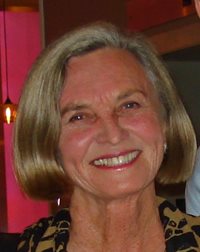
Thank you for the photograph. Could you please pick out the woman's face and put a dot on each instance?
(112, 134)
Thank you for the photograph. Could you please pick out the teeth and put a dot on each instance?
(116, 161)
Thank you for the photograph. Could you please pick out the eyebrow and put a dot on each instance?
(76, 107)
(129, 93)
(73, 107)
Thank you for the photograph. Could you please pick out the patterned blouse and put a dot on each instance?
(182, 232)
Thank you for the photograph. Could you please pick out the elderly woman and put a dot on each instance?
(99, 118)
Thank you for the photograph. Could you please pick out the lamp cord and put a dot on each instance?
(5, 46)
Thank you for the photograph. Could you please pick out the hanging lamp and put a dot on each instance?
(9, 109)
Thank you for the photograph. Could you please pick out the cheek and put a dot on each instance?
(74, 142)
(150, 135)
(147, 126)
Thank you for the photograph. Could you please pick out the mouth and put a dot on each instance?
(116, 162)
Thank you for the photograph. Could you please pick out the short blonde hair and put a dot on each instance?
(37, 128)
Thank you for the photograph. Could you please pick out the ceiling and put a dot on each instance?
(20, 4)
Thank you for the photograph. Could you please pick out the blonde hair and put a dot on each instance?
(37, 128)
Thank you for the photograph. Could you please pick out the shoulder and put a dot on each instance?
(196, 172)
(46, 233)
(181, 230)
(192, 192)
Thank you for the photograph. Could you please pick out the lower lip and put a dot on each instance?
(118, 167)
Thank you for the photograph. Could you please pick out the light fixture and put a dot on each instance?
(8, 108)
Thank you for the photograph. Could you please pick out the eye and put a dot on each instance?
(82, 117)
(77, 117)
(130, 105)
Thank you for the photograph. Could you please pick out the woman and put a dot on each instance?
(100, 117)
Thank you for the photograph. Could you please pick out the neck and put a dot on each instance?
(115, 225)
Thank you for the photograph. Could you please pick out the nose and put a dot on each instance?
(111, 131)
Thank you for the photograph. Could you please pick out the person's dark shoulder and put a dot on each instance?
(45, 231)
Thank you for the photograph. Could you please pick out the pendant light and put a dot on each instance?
(9, 109)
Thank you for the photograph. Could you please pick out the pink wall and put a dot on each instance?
(23, 43)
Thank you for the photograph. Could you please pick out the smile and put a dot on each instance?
(118, 161)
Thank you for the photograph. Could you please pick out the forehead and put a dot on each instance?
(106, 70)
(101, 59)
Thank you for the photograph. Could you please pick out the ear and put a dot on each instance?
(197, 5)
